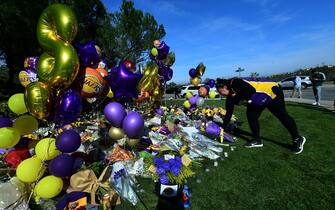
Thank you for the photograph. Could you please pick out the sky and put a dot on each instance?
(264, 36)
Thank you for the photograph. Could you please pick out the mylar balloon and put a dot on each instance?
(27, 76)
(94, 83)
(203, 91)
(195, 81)
(68, 107)
(38, 100)
(56, 28)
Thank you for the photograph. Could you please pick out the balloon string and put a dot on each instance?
(39, 171)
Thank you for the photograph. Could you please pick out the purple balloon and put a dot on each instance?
(211, 83)
(32, 62)
(68, 141)
(193, 73)
(68, 107)
(164, 71)
(88, 55)
(159, 111)
(115, 113)
(5, 122)
(62, 165)
(133, 124)
(123, 82)
(193, 99)
(163, 51)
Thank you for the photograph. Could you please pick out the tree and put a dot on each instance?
(239, 70)
(131, 34)
(254, 74)
(18, 21)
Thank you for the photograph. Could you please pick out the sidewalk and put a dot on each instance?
(325, 104)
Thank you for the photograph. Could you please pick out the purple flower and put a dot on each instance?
(160, 171)
(165, 166)
(164, 179)
(158, 161)
(175, 170)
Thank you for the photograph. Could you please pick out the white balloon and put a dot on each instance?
(200, 101)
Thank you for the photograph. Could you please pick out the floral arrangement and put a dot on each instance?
(170, 169)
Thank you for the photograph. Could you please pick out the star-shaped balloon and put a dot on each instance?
(123, 82)
(88, 55)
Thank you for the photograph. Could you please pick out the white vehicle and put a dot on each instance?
(194, 90)
(288, 83)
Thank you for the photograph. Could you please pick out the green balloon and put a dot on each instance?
(25, 124)
(9, 137)
(154, 52)
(16, 104)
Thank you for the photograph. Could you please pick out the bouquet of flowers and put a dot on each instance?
(170, 169)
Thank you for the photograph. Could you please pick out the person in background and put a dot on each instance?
(176, 93)
(258, 95)
(297, 86)
(317, 78)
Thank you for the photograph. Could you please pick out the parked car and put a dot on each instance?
(288, 83)
(194, 90)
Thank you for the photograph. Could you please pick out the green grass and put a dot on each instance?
(270, 177)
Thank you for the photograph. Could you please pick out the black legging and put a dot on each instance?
(277, 108)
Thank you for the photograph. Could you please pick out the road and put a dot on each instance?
(327, 93)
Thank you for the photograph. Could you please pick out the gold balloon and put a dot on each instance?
(200, 69)
(150, 82)
(116, 133)
(132, 142)
(38, 100)
(56, 29)
(195, 81)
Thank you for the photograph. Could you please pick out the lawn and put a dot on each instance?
(270, 177)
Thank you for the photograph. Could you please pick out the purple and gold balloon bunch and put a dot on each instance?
(124, 124)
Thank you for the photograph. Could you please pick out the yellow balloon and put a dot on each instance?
(116, 133)
(30, 169)
(46, 149)
(9, 137)
(195, 81)
(212, 94)
(16, 104)
(56, 29)
(110, 93)
(25, 124)
(49, 187)
(188, 95)
(187, 104)
(38, 99)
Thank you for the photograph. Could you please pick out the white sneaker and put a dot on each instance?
(314, 103)
(318, 104)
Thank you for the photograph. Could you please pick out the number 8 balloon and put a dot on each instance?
(56, 29)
